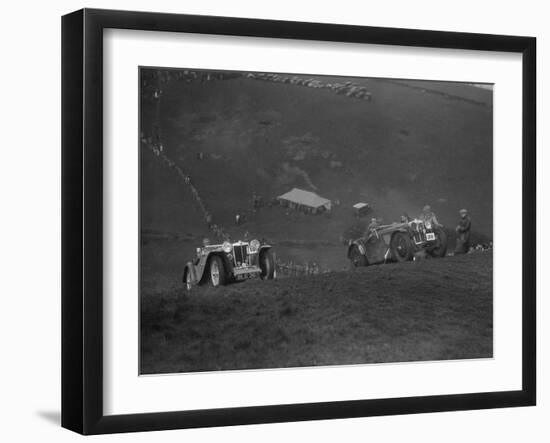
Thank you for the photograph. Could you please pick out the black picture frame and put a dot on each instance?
(82, 218)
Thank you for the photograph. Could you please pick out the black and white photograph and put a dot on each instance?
(300, 220)
(247, 222)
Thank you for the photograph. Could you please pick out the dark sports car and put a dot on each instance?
(397, 242)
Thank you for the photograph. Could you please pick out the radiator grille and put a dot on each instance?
(239, 252)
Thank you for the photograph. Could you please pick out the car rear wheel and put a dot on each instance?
(356, 258)
(217, 271)
(402, 247)
(267, 265)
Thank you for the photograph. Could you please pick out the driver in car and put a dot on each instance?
(371, 228)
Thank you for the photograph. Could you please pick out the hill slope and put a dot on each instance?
(407, 147)
(431, 310)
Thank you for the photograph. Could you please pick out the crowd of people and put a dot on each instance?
(481, 247)
(291, 269)
(153, 80)
(348, 88)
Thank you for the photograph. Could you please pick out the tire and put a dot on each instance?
(401, 246)
(267, 265)
(440, 250)
(187, 280)
(356, 258)
(216, 269)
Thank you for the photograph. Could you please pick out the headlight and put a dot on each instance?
(227, 247)
(428, 225)
(254, 246)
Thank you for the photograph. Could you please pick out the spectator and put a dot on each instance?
(463, 233)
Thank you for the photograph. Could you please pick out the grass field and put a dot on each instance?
(429, 310)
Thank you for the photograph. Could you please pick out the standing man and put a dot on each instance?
(463, 233)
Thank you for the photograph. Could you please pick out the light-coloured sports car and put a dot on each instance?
(224, 263)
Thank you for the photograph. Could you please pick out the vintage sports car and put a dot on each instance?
(218, 265)
(397, 242)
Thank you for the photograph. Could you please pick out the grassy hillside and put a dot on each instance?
(430, 310)
(408, 147)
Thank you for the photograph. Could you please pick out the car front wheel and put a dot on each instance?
(188, 281)
(267, 265)
(217, 272)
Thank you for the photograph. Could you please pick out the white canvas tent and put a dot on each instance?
(300, 199)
